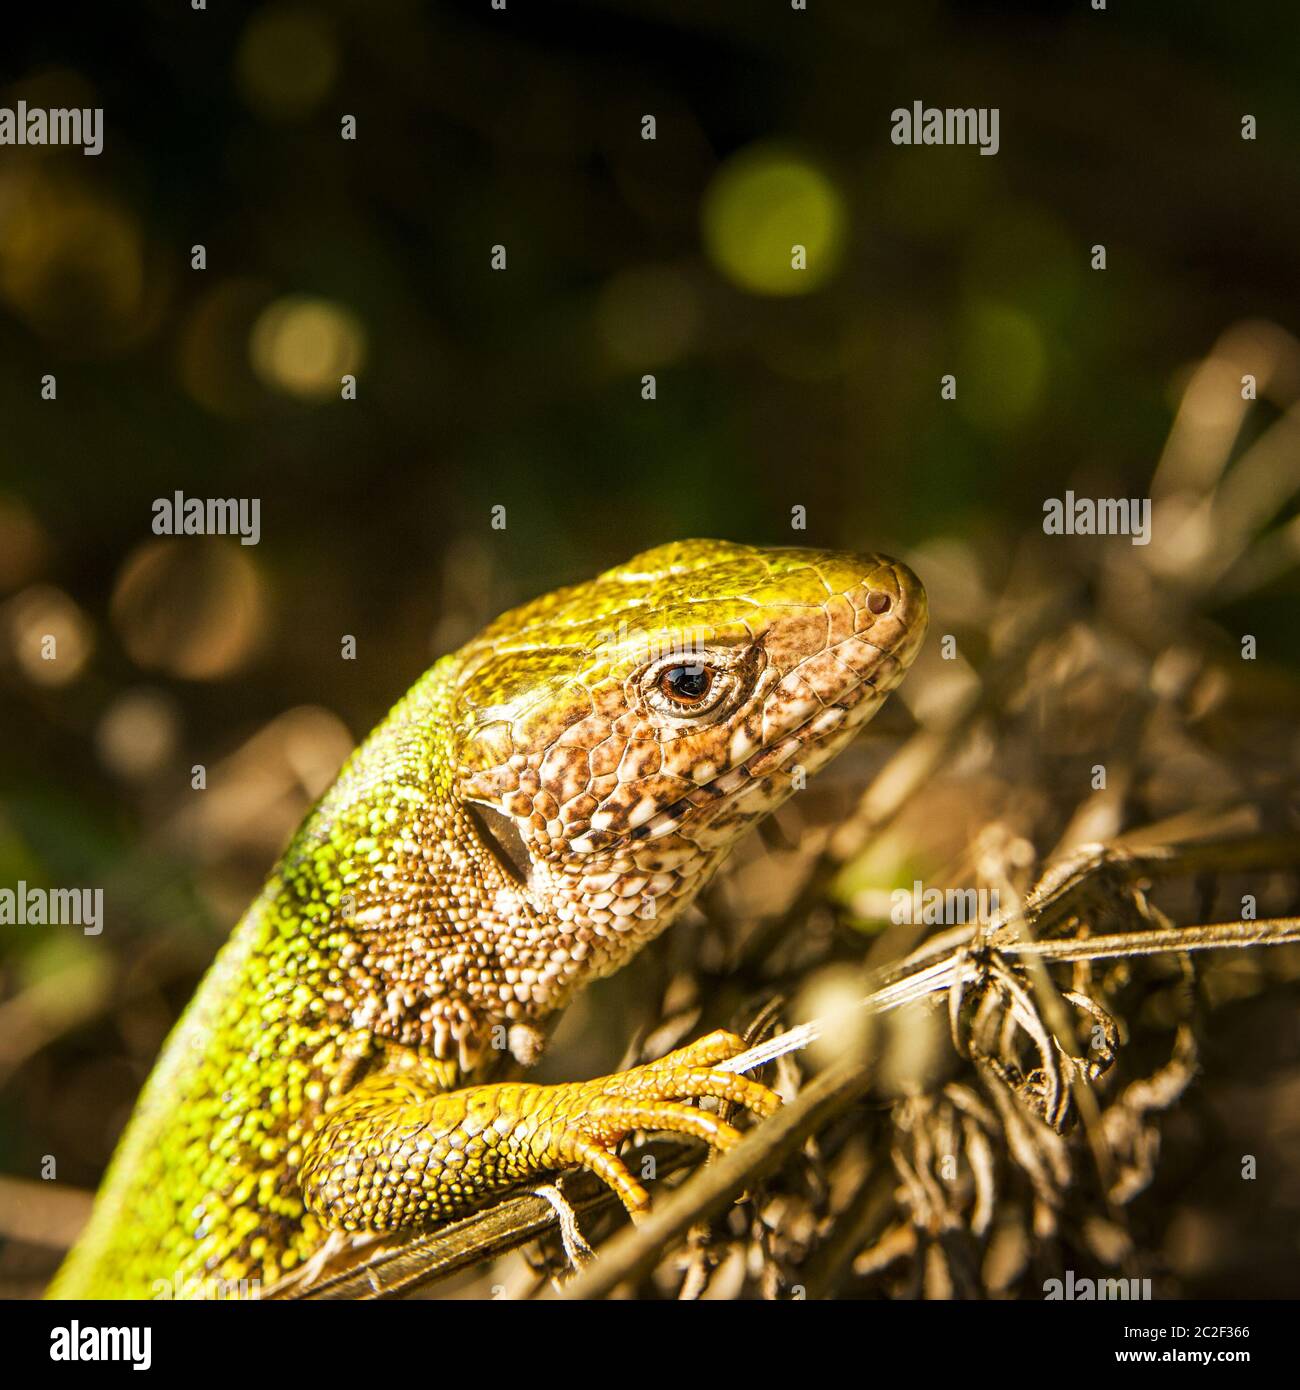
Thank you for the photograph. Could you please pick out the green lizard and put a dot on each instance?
(540, 805)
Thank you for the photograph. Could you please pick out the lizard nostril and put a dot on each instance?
(879, 601)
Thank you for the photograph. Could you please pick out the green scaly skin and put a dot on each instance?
(541, 804)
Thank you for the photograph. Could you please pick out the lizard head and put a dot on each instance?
(616, 738)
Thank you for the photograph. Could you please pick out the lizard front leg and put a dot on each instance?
(395, 1153)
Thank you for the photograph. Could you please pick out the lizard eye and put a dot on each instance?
(688, 685)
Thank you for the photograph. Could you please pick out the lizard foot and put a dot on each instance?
(396, 1153)
(593, 1117)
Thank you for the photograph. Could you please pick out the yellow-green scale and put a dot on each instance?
(203, 1183)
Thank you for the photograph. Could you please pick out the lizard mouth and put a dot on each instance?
(841, 717)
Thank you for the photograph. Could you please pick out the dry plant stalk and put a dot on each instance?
(1030, 1080)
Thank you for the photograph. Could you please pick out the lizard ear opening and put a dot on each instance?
(500, 836)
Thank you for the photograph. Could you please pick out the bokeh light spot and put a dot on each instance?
(49, 635)
(287, 61)
(1003, 368)
(193, 608)
(71, 261)
(763, 202)
(212, 359)
(303, 346)
(138, 733)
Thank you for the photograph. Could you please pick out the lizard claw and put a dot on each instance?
(591, 1118)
